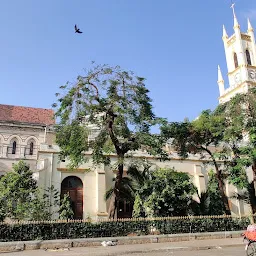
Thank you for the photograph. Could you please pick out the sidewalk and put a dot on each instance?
(196, 241)
(138, 248)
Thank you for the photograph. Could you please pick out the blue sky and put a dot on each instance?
(175, 44)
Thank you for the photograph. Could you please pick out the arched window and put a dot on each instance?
(71, 182)
(14, 146)
(31, 148)
(248, 57)
(235, 60)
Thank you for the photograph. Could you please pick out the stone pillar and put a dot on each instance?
(101, 208)
(22, 151)
(5, 153)
(199, 179)
(234, 204)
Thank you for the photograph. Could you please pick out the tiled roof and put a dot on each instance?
(30, 115)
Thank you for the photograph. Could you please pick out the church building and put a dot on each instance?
(28, 133)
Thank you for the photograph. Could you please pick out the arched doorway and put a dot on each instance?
(74, 186)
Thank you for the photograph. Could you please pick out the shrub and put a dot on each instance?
(80, 229)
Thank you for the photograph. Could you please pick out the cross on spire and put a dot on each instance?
(236, 24)
(233, 8)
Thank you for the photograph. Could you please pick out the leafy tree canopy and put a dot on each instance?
(203, 136)
(20, 198)
(116, 104)
(166, 192)
(196, 136)
(65, 211)
(239, 151)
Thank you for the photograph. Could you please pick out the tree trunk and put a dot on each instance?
(252, 199)
(251, 189)
(116, 193)
(220, 184)
(222, 192)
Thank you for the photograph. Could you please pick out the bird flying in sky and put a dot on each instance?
(77, 30)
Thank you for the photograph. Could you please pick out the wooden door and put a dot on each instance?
(74, 187)
(124, 209)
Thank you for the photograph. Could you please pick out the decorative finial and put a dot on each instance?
(233, 8)
(236, 25)
(224, 35)
(220, 82)
(250, 28)
(220, 77)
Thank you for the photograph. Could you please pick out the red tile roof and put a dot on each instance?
(30, 115)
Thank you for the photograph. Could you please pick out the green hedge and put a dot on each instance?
(56, 230)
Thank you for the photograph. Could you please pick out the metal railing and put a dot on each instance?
(26, 151)
(10, 150)
(61, 229)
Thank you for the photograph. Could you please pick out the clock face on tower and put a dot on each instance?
(252, 74)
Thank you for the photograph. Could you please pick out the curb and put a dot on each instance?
(88, 242)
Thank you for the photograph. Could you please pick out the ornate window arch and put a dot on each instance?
(30, 148)
(248, 57)
(13, 146)
(235, 59)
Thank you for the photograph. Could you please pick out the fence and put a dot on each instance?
(47, 230)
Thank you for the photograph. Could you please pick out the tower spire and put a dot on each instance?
(236, 24)
(220, 77)
(253, 48)
(225, 35)
(220, 82)
(250, 28)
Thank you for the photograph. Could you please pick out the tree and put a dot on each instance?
(240, 141)
(210, 201)
(20, 198)
(2, 211)
(16, 190)
(166, 193)
(203, 136)
(65, 211)
(216, 205)
(137, 174)
(115, 102)
(200, 206)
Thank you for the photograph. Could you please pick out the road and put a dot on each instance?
(236, 251)
(164, 251)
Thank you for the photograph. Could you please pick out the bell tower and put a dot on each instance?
(240, 51)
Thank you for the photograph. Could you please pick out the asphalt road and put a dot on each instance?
(164, 251)
(236, 251)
